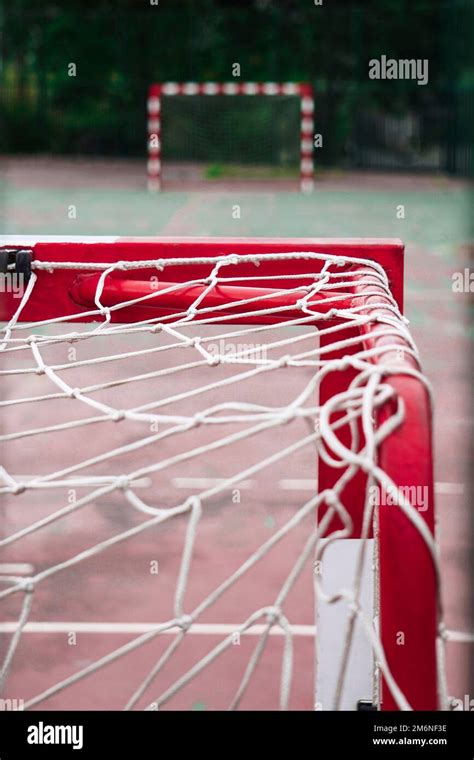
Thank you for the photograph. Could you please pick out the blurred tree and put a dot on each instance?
(120, 48)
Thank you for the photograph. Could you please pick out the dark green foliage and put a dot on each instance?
(121, 46)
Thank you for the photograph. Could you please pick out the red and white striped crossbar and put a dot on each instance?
(304, 91)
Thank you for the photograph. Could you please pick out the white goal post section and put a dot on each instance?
(303, 91)
(152, 395)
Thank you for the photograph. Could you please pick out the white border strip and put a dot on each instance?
(200, 629)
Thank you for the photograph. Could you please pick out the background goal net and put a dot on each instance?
(235, 133)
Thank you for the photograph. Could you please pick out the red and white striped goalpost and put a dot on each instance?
(303, 91)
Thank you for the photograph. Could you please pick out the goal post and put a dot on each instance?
(363, 404)
(249, 91)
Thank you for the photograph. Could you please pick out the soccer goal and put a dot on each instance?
(239, 134)
(218, 476)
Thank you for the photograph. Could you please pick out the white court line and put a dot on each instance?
(294, 484)
(33, 239)
(451, 489)
(201, 629)
(430, 295)
(297, 484)
(197, 483)
(285, 484)
(82, 481)
(203, 483)
(16, 568)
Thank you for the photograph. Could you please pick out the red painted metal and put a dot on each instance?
(409, 605)
(51, 297)
(164, 299)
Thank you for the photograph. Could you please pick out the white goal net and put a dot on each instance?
(159, 477)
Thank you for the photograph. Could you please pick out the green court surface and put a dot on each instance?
(110, 198)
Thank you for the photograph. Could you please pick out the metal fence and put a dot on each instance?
(436, 136)
(433, 137)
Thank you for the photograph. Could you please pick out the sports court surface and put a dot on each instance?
(60, 197)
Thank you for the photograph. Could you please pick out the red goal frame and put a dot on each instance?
(408, 579)
(302, 90)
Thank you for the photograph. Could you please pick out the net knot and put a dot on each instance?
(27, 585)
(41, 370)
(104, 310)
(287, 416)
(18, 488)
(272, 614)
(213, 361)
(366, 464)
(123, 482)
(331, 499)
(194, 503)
(185, 622)
(443, 631)
(119, 415)
(342, 364)
(74, 392)
(353, 607)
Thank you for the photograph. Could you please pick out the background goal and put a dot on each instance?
(232, 132)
